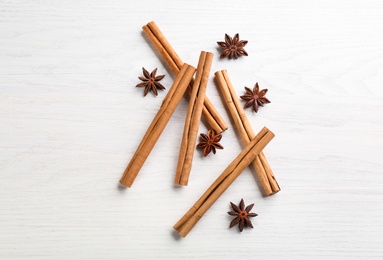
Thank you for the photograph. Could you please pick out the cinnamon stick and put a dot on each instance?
(158, 124)
(262, 167)
(171, 58)
(193, 118)
(227, 177)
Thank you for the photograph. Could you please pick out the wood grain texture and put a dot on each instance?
(71, 118)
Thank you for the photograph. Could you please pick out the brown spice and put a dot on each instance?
(166, 51)
(210, 142)
(150, 82)
(232, 47)
(262, 168)
(255, 98)
(159, 122)
(193, 119)
(242, 215)
(220, 185)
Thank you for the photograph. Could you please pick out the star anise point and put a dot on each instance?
(242, 215)
(255, 98)
(210, 142)
(150, 81)
(232, 47)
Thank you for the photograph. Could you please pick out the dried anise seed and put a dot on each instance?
(242, 215)
(232, 47)
(210, 142)
(150, 82)
(255, 98)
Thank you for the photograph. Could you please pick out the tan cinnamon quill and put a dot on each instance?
(158, 124)
(262, 167)
(251, 150)
(171, 58)
(193, 119)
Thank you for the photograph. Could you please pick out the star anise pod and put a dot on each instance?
(210, 142)
(255, 98)
(242, 215)
(150, 82)
(232, 47)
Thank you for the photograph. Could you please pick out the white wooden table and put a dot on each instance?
(71, 119)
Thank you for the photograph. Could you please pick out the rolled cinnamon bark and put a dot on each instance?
(193, 119)
(251, 150)
(262, 167)
(158, 124)
(171, 58)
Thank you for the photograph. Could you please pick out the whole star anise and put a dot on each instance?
(210, 142)
(232, 47)
(150, 82)
(255, 98)
(242, 215)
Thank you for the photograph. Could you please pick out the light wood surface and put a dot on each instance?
(71, 119)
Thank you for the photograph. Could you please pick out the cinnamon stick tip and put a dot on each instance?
(267, 130)
(181, 183)
(224, 129)
(178, 233)
(208, 53)
(124, 184)
(121, 186)
(271, 193)
(218, 72)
